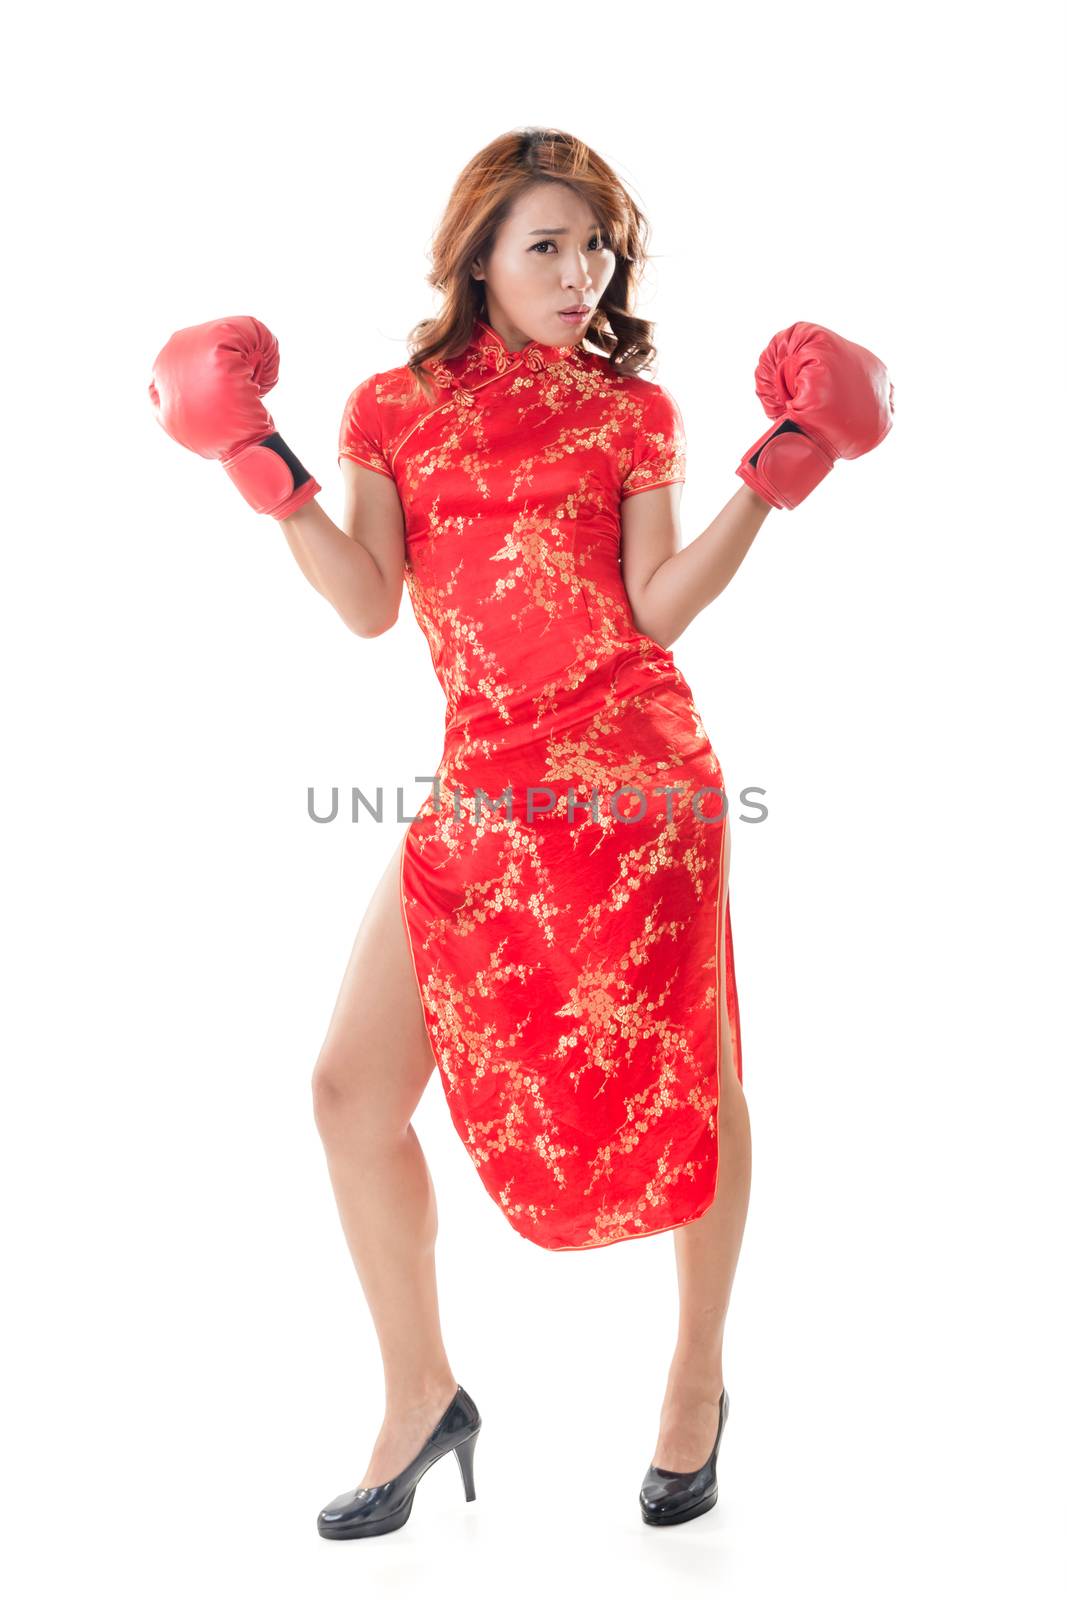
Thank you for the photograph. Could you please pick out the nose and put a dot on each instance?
(579, 277)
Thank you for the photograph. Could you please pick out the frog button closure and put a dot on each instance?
(448, 380)
(507, 359)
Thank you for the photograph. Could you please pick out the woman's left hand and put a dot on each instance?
(828, 398)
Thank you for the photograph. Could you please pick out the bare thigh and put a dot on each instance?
(730, 1089)
(376, 1058)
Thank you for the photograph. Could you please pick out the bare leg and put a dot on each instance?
(372, 1068)
(706, 1253)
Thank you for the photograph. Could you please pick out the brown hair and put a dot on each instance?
(481, 199)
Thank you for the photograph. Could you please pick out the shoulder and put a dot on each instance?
(380, 408)
(644, 396)
(388, 388)
(655, 445)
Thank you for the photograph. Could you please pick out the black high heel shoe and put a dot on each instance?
(668, 1497)
(381, 1507)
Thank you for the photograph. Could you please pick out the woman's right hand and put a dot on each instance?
(206, 387)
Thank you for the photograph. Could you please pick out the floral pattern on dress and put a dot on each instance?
(566, 947)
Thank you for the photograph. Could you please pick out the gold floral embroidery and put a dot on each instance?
(566, 949)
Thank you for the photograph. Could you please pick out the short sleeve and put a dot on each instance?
(659, 448)
(361, 429)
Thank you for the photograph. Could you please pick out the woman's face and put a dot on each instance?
(549, 254)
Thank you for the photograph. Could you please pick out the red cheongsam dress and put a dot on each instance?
(562, 883)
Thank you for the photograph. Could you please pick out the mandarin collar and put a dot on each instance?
(488, 348)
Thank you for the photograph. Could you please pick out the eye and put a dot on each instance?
(598, 242)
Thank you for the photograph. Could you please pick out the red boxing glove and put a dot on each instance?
(206, 387)
(836, 400)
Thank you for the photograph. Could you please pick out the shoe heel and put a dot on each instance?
(465, 1457)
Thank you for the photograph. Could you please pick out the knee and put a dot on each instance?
(344, 1103)
(335, 1093)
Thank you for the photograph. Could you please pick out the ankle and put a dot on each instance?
(416, 1394)
(695, 1379)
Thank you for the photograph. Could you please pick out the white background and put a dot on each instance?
(191, 1371)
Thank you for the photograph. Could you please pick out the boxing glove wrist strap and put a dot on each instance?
(785, 464)
(271, 477)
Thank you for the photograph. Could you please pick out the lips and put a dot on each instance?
(568, 310)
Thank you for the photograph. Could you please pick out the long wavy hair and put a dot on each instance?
(481, 199)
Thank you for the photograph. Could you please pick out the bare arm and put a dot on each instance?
(667, 585)
(359, 568)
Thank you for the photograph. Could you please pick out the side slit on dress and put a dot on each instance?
(573, 953)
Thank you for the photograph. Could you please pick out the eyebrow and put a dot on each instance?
(596, 226)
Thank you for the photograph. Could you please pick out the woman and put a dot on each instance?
(553, 930)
